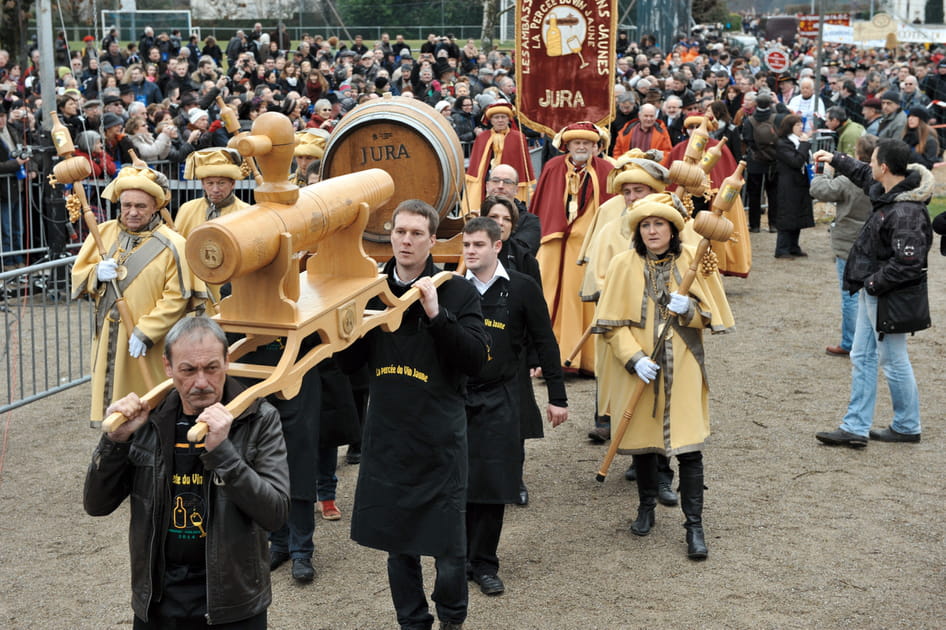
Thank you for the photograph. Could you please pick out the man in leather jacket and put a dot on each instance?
(889, 256)
(199, 512)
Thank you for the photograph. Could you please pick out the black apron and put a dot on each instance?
(411, 493)
(339, 422)
(299, 416)
(492, 407)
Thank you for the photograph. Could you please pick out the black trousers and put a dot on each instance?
(755, 183)
(664, 471)
(786, 242)
(484, 526)
(407, 591)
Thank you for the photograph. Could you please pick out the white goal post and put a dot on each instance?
(131, 24)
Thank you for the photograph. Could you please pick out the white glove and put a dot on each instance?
(679, 304)
(106, 270)
(646, 369)
(136, 347)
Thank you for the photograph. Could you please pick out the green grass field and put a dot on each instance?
(937, 205)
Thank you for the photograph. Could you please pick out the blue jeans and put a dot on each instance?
(328, 460)
(295, 537)
(11, 230)
(848, 308)
(892, 355)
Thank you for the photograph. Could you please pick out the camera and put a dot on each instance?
(21, 152)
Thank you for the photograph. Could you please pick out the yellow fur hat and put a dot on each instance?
(579, 130)
(639, 167)
(654, 206)
(500, 107)
(311, 142)
(138, 178)
(220, 162)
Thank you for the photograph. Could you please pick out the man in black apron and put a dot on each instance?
(411, 494)
(514, 311)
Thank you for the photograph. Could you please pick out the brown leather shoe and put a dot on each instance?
(837, 351)
(600, 435)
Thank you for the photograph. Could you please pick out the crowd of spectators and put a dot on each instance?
(158, 94)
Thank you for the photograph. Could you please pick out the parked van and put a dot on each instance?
(784, 26)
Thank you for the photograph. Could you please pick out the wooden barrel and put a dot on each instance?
(411, 142)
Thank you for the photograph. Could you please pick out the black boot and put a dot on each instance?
(665, 493)
(691, 500)
(646, 466)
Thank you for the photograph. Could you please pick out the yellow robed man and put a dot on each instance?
(146, 259)
(310, 147)
(218, 170)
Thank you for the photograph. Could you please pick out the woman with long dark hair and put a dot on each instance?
(920, 137)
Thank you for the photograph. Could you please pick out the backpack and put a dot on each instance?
(764, 137)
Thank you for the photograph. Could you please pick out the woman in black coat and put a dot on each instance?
(464, 122)
(726, 129)
(212, 50)
(794, 203)
(921, 138)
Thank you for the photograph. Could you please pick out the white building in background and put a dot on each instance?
(907, 11)
(250, 9)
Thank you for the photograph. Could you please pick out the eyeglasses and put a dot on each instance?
(497, 180)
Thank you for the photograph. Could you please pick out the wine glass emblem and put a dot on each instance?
(564, 33)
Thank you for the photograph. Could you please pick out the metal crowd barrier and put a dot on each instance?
(46, 335)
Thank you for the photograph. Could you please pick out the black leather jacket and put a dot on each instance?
(891, 249)
(247, 496)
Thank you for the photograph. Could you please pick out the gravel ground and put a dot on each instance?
(800, 535)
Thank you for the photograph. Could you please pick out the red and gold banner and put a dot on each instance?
(808, 24)
(565, 54)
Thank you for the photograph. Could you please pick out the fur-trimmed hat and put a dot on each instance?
(499, 107)
(311, 142)
(639, 167)
(139, 178)
(217, 162)
(653, 206)
(696, 121)
(580, 130)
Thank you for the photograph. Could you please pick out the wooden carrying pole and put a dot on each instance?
(72, 170)
(712, 226)
(253, 250)
(389, 319)
(585, 336)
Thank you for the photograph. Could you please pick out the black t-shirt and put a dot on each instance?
(187, 529)
(185, 575)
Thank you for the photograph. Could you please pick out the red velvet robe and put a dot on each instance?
(515, 154)
(558, 254)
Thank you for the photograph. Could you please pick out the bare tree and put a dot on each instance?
(490, 20)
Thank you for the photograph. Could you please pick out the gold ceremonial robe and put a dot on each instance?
(672, 416)
(159, 290)
(194, 213)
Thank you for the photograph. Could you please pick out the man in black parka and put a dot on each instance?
(412, 482)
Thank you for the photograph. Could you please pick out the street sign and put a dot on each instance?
(776, 60)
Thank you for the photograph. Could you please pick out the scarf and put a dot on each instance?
(213, 210)
(498, 138)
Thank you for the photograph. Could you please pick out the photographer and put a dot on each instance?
(12, 166)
